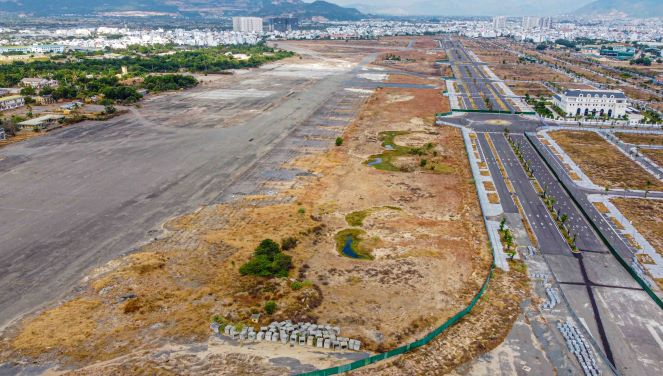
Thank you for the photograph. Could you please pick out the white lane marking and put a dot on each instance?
(654, 334)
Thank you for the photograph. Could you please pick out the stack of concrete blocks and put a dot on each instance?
(553, 298)
(245, 334)
(578, 345)
(321, 336)
(542, 276)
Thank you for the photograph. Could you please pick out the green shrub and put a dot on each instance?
(296, 285)
(339, 141)
(267, 261)
(270, 307)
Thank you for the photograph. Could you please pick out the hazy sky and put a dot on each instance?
(466, 7)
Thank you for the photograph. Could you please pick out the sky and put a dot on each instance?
(466, 7)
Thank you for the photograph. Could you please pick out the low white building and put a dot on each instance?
(610, 103)
(35, 49)
(11, 102)
(38, 83)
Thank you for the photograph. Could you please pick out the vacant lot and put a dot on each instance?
(641, 138)
(655, 155)
(646, 216)
(409, 79)
(528, 72)
(533, 89)
(415, 61)
(605, 165)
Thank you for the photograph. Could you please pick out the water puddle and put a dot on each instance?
(375, 161)
(347, 247)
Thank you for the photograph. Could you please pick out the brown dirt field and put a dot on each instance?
(431, 256)
(646, 216)
(479, 332)
(528, 72)
(416, 61)
(641, 139)
(603, 163)
(534, 89)
(575, 85)
(407, 79)
(654, 154)
(23, 135)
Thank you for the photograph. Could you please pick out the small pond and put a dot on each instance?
(347, 247)
(375, 162)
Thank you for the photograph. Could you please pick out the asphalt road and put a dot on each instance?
(81, 196)
(505, 196)
(474, 86)
(625, 322)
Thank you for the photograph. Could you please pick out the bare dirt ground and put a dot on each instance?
(534, 89)
(605, 165)
(641, 139)
(430, 256)
(416, 61)
(647, 217)
(408, 79)
(655, 155)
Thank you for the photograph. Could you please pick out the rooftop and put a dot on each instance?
(10, 98)
(39, 120)
(600, 93)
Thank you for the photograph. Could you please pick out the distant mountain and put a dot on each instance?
(226, 7)
(633, 8)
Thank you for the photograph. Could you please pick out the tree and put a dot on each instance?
(28, 90)
(339, 141)
(502, 224)
(270, 307)
(563, 218)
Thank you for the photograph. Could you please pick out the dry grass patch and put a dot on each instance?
(646, 216)
(603, 163)
(493, 198)
(641, 138)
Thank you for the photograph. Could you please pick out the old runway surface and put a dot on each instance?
(84, 195)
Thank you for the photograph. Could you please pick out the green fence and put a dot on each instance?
(410, 346)
(614, 252)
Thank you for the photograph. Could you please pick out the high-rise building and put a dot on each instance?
(530, 22)
(499, 22)
(247, 24)
(283, 24)
(545, 23)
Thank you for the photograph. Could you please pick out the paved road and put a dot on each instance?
(473, 84)
(81, 196)
(505, 196)
(621, 317)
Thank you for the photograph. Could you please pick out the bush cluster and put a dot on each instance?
(267, 261)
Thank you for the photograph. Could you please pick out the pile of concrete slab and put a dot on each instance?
(287, 332)
(553, 298)
(542, 276)
(322, 336)
(578, 345)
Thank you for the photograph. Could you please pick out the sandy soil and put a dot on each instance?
(605, 165)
